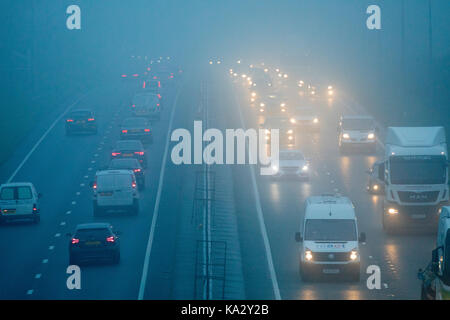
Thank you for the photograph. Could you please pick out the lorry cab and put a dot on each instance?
(329, 238)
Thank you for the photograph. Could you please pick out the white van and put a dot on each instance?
(19, 200)
(115, 190)
(330, 242)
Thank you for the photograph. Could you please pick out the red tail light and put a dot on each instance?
(159, 84)
(75, 240)
(124, 76)
(91, 119)
(155, 77)
(135, 75)
(143, 85)
(115, 154)
(137, 170)
(133, 184)
(133, 106)
(94, 185)
(124, 131)
(159, 96)
(148, 130)
(148, 69)
(110, 239)
(34, 208)
(157, 106)
(141, 153)
(69, 120)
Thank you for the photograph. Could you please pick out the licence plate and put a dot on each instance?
(134, 130)
(127, 154)
(92, 243)
(9, 211)
(107, 194)
(419, 216)
(330, 271)
(81, 121)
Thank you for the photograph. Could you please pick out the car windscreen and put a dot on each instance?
(114, 180)
(418, 169)
(330, 230)
(284, 155)
(357, 124)
(134, 122)
(90, 234)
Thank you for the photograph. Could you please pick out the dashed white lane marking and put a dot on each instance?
(332, 181)
(99, 148)
(74, 202)
(38, 276)
(51, 247)
(82, 184)
(385, 285)
(30, 292)
(89, 169)
(156, 208)
(93, 161)
(62, 223)
(57, 235)
(86, 177)
(78, 193)
(69, 212)
(45, 261)
(370, 257)
(96, 155)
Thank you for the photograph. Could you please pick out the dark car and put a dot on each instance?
(376, 178)
(92, 242)
(130, 164)
(130, 149)
(286, 129)
(81, 121)
(136, 128)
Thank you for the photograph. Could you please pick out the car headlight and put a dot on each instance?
(346, 136)
(330, 92)
(253, 94)
(262, 104)
(283, 105)
(290, 131)
(261, 110)
(275, 168)
(267, 131)
(353, 255)
(290, 137)
(316, 120)
(371, 136)
(375, 187)
(293, 120)
(305, 168)
(313, 92)
(308, 255)
(392, 211)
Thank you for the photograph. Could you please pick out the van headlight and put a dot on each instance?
(316, 120)
(353, 255)
(293, 121)
(290, 131)
(346, 136)
(305, 168)
(392, 211)
(275, 169)
(308, 255)
(371, 136)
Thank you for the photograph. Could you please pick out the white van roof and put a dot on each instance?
(112, 172)
(17, 184)
(415, 136)
(329, 207)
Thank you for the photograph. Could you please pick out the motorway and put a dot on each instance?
(35, 257)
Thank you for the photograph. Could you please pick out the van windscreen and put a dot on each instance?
(330, 230)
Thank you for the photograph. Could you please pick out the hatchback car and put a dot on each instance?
(136, 128)
(92, 242)
(130, 149)
(130, 164)
(81, 121)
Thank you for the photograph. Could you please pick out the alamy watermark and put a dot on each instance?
(241, 147)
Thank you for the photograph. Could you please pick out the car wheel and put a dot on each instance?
(116, 257)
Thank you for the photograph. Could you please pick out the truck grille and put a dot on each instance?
(417, 197)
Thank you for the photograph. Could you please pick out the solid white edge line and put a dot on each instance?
(156, 208)
(262, 225)
(43, 137)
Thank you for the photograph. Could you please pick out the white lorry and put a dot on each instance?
(415, 177)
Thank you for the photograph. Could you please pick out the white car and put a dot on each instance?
(307, 118)
(357, 131)
(115, 190)
(18, 201)
(292, 163)
(329, 238)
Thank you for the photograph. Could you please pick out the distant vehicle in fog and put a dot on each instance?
(92, 242)
(130, 149)
(376, 177)
(19, 201)
(357, 131)
(292, 163)
(286, 129)
(146, 105)
(136, 128)
(306, 118)
(79, 121)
